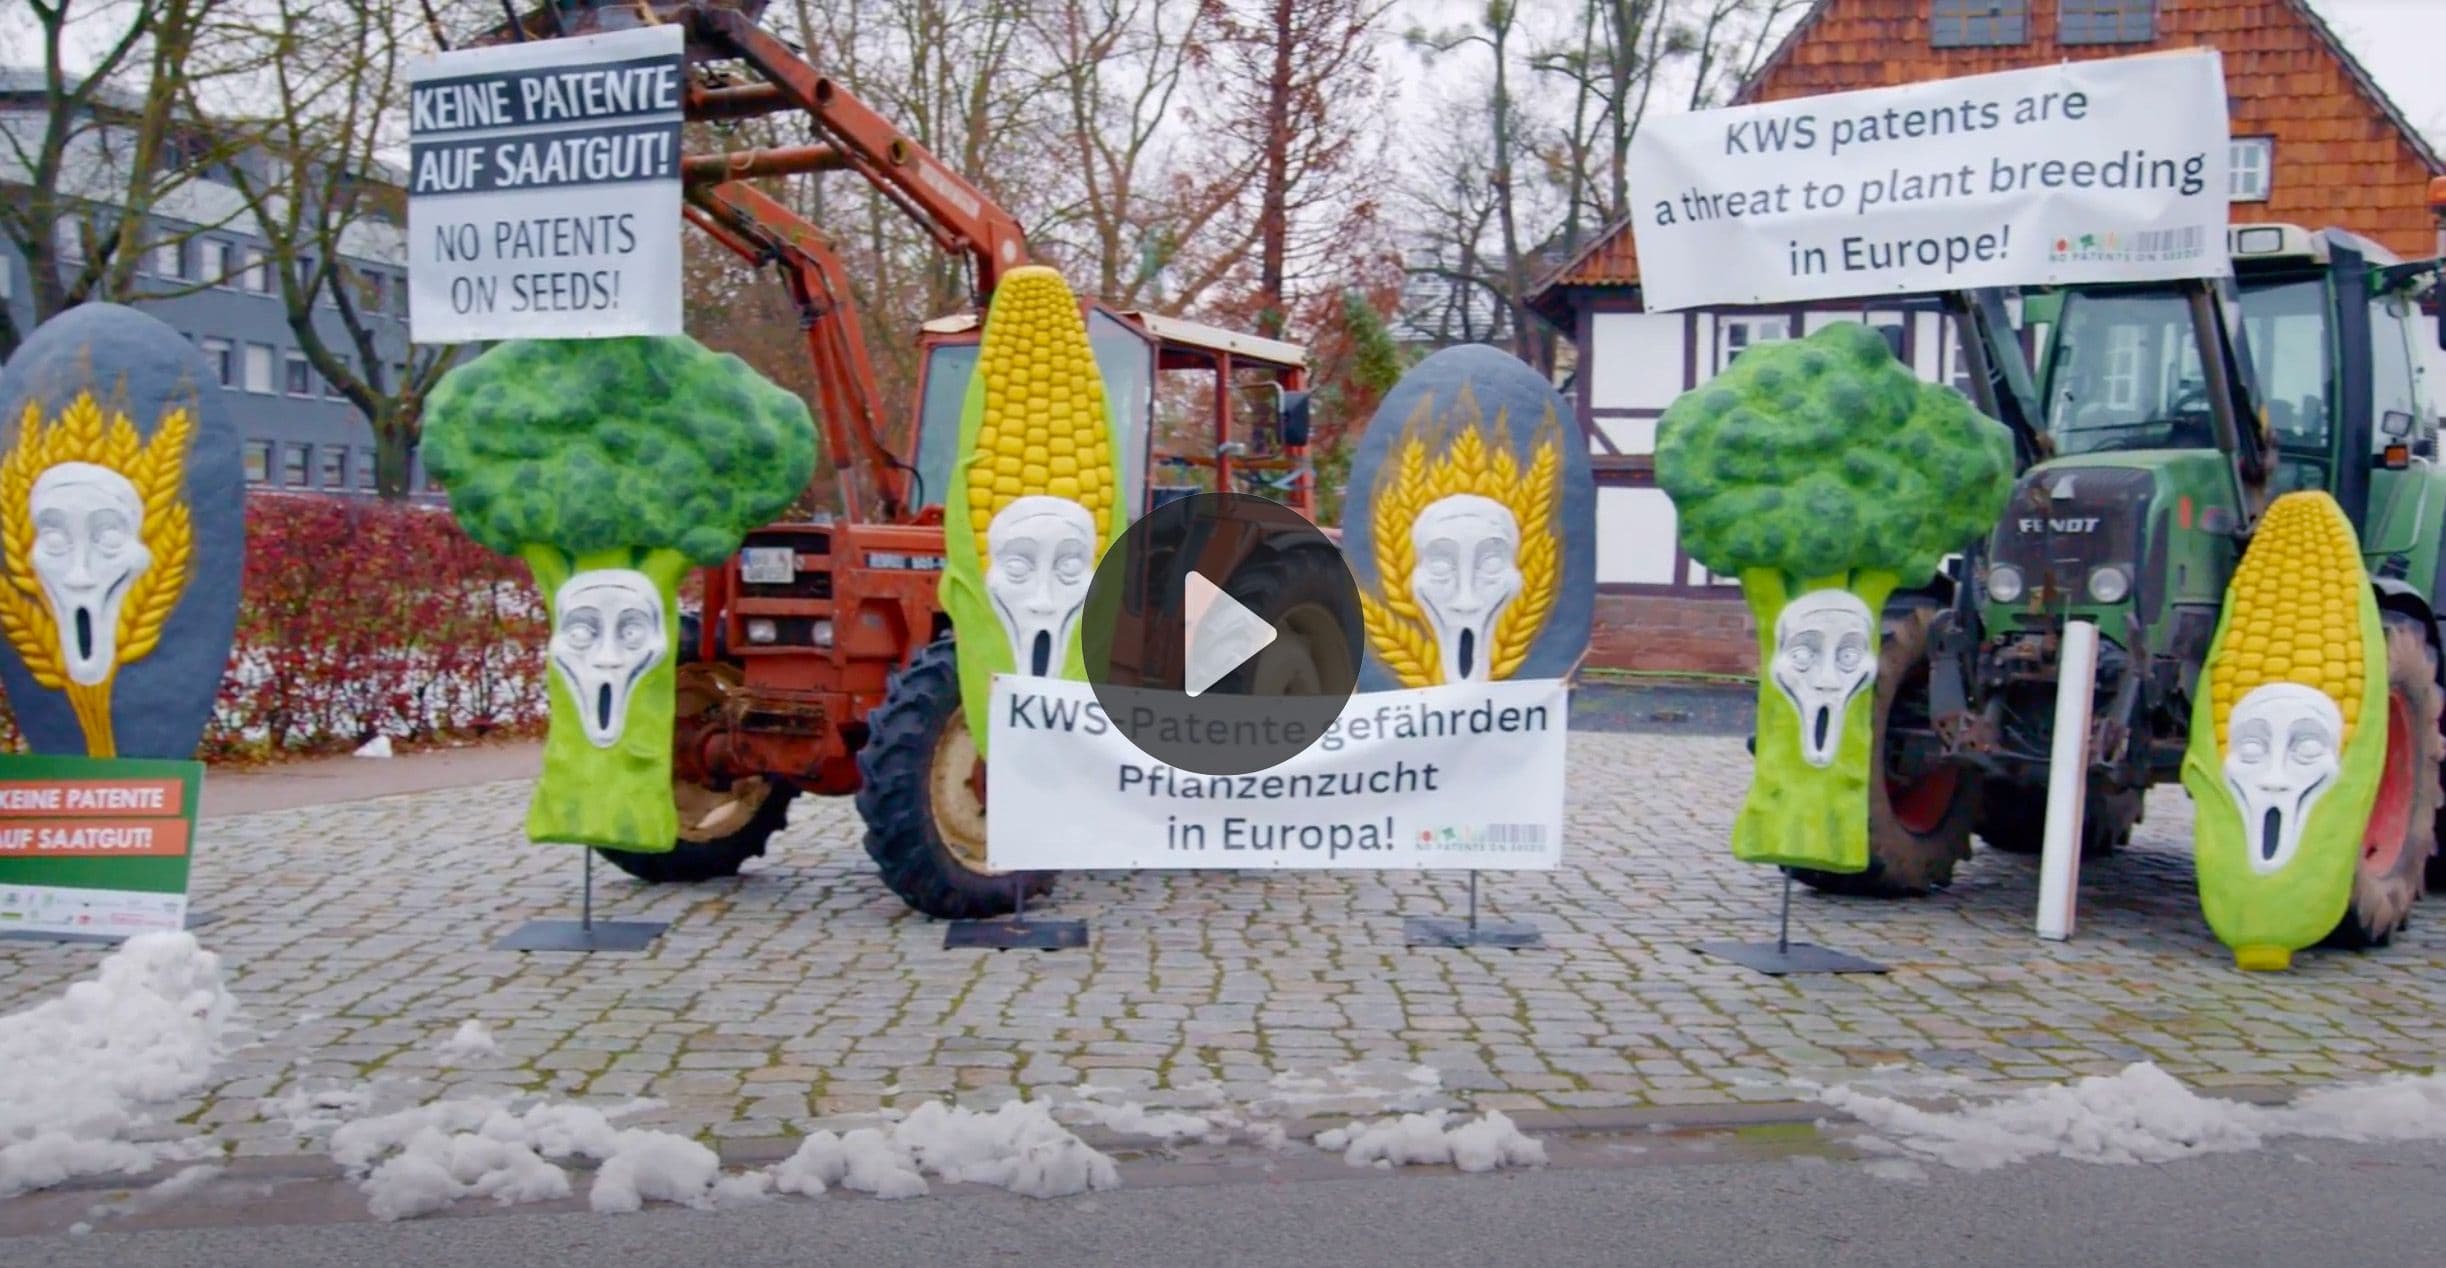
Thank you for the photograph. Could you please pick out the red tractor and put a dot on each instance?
(821, 662)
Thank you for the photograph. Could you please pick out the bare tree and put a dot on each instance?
(323, 199)
(93, 172)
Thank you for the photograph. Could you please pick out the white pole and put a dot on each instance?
(2059, 863)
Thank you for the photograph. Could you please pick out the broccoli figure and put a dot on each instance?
(1823, 474)
(613, 466)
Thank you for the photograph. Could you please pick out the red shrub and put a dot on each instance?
(362, 617)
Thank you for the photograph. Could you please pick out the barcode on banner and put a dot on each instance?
(2168, 241)
(1514, 834)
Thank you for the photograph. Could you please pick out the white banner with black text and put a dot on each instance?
(1465, 776)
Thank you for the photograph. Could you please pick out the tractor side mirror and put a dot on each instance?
(1294, 419)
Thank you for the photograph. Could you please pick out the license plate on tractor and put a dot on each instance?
(768, 565)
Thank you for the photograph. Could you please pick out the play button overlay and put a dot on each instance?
(1222, 633)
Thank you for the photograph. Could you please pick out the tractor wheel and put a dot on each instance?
(922, 794)
(2013, 818)
(1918, 823)
(720, 829)
(2402, 831)
(1314, 649)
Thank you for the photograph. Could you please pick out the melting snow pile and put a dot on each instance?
(426, 1158)
(472, 1039)
(1482, 1144)
(80, 1069)
(2141, 1115)
(1016, 1147)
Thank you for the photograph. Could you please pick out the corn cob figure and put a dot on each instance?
(1035, 492)
(2285, 760)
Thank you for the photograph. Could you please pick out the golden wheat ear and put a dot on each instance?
(1395, 626)
(1534, 506)
(160, 477)
(24, 620)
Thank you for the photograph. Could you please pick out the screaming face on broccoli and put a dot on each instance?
(613, 466)
(1823, 474)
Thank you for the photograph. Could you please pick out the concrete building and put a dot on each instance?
(209, 276)
(2314, 143)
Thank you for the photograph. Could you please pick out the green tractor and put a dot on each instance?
(2159, 421)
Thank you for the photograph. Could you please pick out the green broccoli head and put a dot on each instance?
(606, 444)
(1823, 456)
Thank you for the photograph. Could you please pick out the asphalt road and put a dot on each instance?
(2295, 1203)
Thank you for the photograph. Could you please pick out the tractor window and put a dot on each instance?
(2394, 407)
(1126, 360)
(2125, 374)
(2285, 324)
(948, 367)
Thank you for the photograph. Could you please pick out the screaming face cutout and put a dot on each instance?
(1041, 557)
(607, 634)
(1822, 659)
(1468, 571)
(88, 550)
(2283, 749)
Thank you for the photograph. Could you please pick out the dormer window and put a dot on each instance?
(1978, 23)
(2106, 22)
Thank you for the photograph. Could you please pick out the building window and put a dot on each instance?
(331, 389)
(258, 271)
(294, 465)
(70, 242)
(258, 462)
(258, 367)
(2106, 22)
(299, 375)
(376, 293)
(1737, 333)
(228, 265)
(223, 359)
(1974, 23)
(365, 468)
(334, 471)
(170, 259)
(2249, 167)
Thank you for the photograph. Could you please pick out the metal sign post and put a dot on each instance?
(1444, 931)
(584, 933)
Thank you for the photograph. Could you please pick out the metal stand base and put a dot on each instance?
(1784, 957)
(1444, 931)
(584, 933)
(195, 920)
(1018, 933)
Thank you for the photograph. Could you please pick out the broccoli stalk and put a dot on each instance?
(1824, 475)
(613, 467)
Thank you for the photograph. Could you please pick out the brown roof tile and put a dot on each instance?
(2344, 154)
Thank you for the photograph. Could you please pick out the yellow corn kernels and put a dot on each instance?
(2296, 610)
(1044, 426)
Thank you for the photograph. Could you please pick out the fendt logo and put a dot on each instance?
(2084, 524)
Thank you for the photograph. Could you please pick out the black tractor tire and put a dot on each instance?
(1918, 831)
(1316, 652)
(714, 858)
(710, 856)
(2391, 872)
(908, 804)
(2013, 818)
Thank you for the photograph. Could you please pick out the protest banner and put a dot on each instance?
(2092, 171)
(544, 190)
(1463, 776)
(96, 847)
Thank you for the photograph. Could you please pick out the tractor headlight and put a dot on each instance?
(823, 632)
(763, 630)
(2004, 583)
(2109, 584)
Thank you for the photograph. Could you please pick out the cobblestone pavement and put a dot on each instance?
(803, 994)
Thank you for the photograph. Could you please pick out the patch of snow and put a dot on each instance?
(314, 1111)
(2139, 1115)
(1018, 1147)
(1900, 1169)
(82, 1068)
(651, 1166)
(187, 1181)
(1486, 1143)
(377, 747)
(472, 1039)
(1163, 1126)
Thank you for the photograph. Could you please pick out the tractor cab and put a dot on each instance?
(1197, 408)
